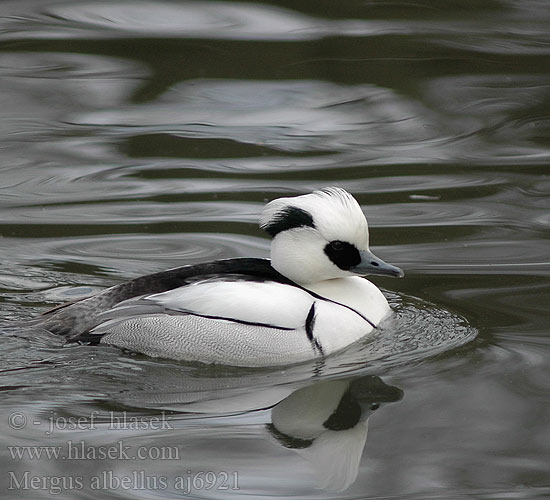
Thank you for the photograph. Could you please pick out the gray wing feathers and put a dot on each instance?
(207, 340)
(75, 319)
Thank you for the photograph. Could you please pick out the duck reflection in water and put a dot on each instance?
(327, 425)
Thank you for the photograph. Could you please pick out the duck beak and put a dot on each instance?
(371, 264)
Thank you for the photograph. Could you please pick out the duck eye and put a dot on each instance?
(336, 245)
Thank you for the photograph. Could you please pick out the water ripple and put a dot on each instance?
(314, 116)
(131, 255)
(252, 21)
(140, 135)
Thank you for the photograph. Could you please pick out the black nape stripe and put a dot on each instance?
(310, 323)
(343, 254)
(289, 218)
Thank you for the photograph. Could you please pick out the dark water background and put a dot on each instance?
(136, 136)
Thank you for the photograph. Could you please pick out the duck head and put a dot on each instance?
(320, 236)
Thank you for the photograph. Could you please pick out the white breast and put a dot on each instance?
(358, 293)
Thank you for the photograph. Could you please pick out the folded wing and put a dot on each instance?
(243, 323)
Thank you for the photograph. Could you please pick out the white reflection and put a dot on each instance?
(324, 423)
(327, 423)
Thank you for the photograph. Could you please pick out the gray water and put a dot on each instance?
(136, 136)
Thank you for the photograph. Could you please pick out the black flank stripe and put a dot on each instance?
(310, 323)
(320, 297)
(240, 321)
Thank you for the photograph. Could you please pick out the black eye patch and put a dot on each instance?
(289, 218)
(343, 254)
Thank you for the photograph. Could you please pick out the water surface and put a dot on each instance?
(142, 135)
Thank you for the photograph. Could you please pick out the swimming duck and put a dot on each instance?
(307, 301)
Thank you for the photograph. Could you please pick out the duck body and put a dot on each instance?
(301, 304)
(234, 320)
